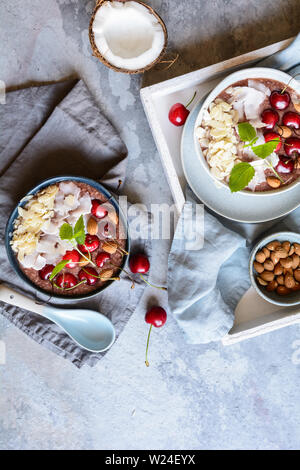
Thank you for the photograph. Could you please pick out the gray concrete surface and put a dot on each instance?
(192, 397)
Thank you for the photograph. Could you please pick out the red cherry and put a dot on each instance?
(271, 136)
(285, 165)
(270, 118)
(139, 264)
(73, 256)
(292, 120)
(178, 113)
(46, 272)
(91, 244)
(101, 259)
(157, 317)
(98, 210)
(89, 275)
(66, 281)
(292, 145)
(280, 100)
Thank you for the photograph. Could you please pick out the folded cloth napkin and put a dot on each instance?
(205, 285)
(58, 130)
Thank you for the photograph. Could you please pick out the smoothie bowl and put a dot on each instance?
(247, 133)
(68, 238)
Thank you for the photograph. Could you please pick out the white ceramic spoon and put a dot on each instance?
(91, 330)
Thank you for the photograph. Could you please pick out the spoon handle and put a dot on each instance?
(12, 297)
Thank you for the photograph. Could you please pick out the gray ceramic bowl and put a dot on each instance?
(273, 297)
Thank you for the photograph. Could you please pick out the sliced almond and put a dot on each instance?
(92, 226)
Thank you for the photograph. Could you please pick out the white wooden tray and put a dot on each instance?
(254, 316)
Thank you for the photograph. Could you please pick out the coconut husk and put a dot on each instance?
(99, 56)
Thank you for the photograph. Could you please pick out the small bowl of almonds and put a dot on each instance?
(275, 268)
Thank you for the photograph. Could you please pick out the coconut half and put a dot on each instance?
(127, 36)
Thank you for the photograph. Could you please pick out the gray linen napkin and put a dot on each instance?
(204, 286)
(48, 131)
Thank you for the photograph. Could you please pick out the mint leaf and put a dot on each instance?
(66, 232)
(58, 267)
(264, 150)
(79, 231)
(246, 132)
(240, 176)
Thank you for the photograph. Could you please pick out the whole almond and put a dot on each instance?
(109, 247)
(296, 261)
(261, 281)
(273, 182)
(297, 275)
(113, 217)
(284, 132)
(266, 252)
(292, 250)
(296, 287)
(106, 275)
(92, 226)
(260, 257)
(268, 265)
(272, 245)
(83, 262)
(258, 267)
(297, 248)
(281, 252)
(267, 276)
(272, 286)
(278, 270)
(289, 281)
(286, 262)
(287, 271)
(286, 246)
(282, 290)
(297, 106)
(274, 258)
(280, 280)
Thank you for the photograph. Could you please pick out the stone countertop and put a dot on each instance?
(191, 397)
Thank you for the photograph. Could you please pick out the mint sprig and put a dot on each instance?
(242, 173)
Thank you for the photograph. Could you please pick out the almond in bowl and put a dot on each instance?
(275, 268)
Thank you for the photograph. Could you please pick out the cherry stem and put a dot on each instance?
(152, 285)
(292, 78)
(119, 248)
(89, 259)
(101, 277)
(68, 288)
(274, 171)
(126, 272)
(146, 361)
(190, 102)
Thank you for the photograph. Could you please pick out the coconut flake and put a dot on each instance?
(127, 35)
(247, 101)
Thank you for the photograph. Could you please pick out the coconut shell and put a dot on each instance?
(99, 56)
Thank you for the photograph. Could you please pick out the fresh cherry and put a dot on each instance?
(91, 244)
(178, 113)
(66, 281)
(292, 120)
(89, 275)
(280, 99)
(270, 118)
(101, 259)
(271, 136)
(73, 256)
(157, 317)
(139, 264)
(46, 271)
(98, 210)
(292, 145)
(285, 165)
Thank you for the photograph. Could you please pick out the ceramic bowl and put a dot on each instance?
(273, 297)
(250, 73)
(10, 225)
